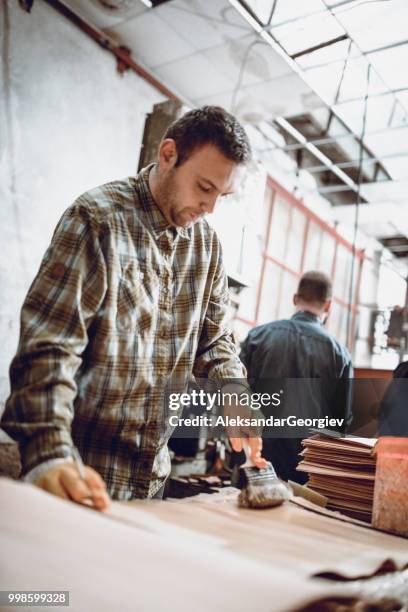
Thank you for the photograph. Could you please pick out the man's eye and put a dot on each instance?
(205, 189)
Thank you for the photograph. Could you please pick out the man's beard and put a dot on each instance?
(168, 197)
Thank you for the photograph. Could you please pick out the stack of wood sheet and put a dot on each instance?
(342, 469)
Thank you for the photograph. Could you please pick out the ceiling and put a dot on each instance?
(323, 81)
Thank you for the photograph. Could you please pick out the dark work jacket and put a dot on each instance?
(298, 348)
(393, 417)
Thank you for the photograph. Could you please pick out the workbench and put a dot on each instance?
(202, 553)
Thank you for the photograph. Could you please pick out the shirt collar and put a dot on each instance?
(305, 315)
(156, 219)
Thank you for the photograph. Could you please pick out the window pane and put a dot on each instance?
(342, 333)
(333, 321)
(241, 330)
(289, 286)
(327, 249)
(314, 236)
(279, 229)
(268, 202)
(247, 303)
(391, 288)
(296, 239)
(341, 273)
(270, 293)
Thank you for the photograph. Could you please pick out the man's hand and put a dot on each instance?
(252, 447)
(64, 481)
(246, 438)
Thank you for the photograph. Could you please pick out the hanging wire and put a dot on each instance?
(337, 96)
(357, 208)
(343, 72)
(271, 14)
(242, 71)
(246, 57)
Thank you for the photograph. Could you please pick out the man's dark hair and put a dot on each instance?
(209, 125)
(314, 288)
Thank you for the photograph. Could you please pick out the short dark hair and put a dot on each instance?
(209, 125)
(314, 288)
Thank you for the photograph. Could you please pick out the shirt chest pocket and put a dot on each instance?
(136, 297)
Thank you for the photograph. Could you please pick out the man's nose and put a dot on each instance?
(209, 205)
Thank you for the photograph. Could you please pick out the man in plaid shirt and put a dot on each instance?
(130, 293)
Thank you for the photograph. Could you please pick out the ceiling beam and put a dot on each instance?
(354, 162)
(338, 188)
(349, 183)
(332, 139)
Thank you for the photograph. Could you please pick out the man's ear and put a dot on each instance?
(327, 306)
(167, 154)
(295, 299)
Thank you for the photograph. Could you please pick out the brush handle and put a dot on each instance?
(247, 451)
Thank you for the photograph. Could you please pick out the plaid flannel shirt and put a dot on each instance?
(121, 302)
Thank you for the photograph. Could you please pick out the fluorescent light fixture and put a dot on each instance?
(147, 3)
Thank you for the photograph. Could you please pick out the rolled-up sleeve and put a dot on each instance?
(61, 302)
(217, 355)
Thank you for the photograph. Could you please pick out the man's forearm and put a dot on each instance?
(219, 360)
(60, 304)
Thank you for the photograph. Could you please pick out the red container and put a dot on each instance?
(390, 508)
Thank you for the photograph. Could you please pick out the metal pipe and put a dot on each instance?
(322, 45)
(121, 54)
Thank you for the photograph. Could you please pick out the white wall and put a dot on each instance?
(68, 122)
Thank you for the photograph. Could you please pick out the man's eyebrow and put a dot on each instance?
(202, 178)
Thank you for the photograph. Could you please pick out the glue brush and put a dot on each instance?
(260, 487)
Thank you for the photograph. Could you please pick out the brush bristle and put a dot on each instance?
(266, 496)
(261, 488)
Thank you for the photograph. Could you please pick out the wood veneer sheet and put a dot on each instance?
(107, 565)
(291, 536)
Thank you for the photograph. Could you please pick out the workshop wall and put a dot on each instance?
(69, 121)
